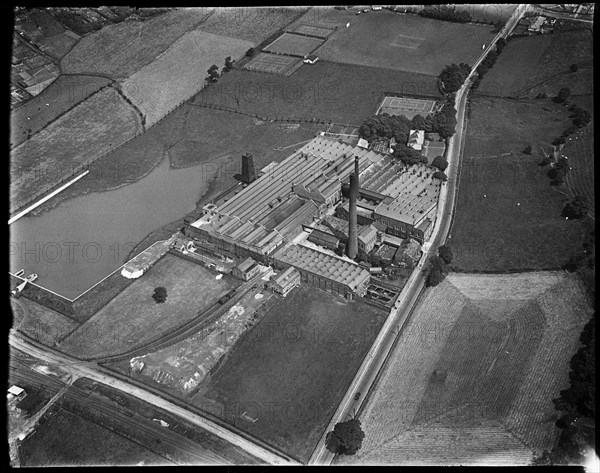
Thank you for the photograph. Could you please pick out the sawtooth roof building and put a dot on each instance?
(260, 218)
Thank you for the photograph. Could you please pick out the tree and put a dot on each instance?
(213, 74)
(160, 295)
(445, 253)
(345, 438)
(528, 150)
(440, 175)
(573, 67)
(500, 44)
(250, 52)
(453, 76)
(440, 163)
(577, 208)
(228, 64)
(435, 274)
(563, 94)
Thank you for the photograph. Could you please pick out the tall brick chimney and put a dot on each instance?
(248, 171)
(352, 248)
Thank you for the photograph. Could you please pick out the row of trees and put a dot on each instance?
(576, 208)
(213, 71)
(439, 266)
(445, 13)
(488, 62)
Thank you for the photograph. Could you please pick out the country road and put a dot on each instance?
(400, 312)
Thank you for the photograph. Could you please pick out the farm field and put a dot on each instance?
(103, 121)
(64, 93)
(531, 65)
(405, 42)
(119, 50)
(579, 149)
(508, 215)
(473, 374)
(293, 44)
(323, 17)
(39, 322)
(133, 318)
(67, 439)
(339, 93)
(184, 67)
(292, 369)
(250, 24)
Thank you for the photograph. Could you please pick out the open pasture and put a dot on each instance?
(133, 318)
(253, 24)
(508, 215)
(311, 30)
(474, 372)
(579, 149)
(183, 66)
(120, 49)
(405, 42)
(273, 63)
(64, 93)
(294, 45)
(92, 128)
(285, 378)
(339, 93)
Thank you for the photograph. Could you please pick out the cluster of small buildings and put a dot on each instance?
(277, 220)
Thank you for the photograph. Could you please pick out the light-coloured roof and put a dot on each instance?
(283, 278)
(15, 390)
(324, 265)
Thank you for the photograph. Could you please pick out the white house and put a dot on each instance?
(363, 143)
(416, 138)
(311, 59)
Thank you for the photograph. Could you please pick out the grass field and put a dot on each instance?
(405, 42)
(293, 368)
(132, 318)
(332, 92)
(121, 49)
(67, 439)
(57, 45)
(64, 93)
(253, 24)
(313, 31)
(508, 215)
(530, 65)
(579, 149)
(293, 44)
(103, 121)
(39, 322)
(472, 377)
(184, 67)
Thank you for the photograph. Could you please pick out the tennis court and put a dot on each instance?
(274, 64)
(406, 106)
(310, 30)
(294, 45)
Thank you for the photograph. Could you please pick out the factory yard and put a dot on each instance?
(472, 377)
(292, 369)
(508, 215)
(405, 42)
(133, 318)
(94, 127)
(183, 66)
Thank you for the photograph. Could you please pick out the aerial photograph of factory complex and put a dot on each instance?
(312, 235)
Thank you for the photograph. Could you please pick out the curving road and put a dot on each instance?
(400, 312)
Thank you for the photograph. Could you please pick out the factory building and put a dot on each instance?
(284, 282)
(259, 219)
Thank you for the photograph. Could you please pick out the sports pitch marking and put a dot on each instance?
(407, 42)
(273, 63)
(402, 105)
